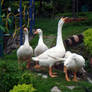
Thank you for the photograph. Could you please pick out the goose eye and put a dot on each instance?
(66, 64)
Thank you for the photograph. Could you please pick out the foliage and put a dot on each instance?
(39, 83)
(9, 75)
(55, 6)
(27, 78)
(15, 5)
(45, 10)
(88, 40)
(48, 8)
(23, 88)
(2, 28)
(88, 67)
(62, 6)
(69, 29)
(3, 25)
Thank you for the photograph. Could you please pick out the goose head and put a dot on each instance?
(38, 31)
(69, 61)
(63, 20)
(67, 54)
(25, 30)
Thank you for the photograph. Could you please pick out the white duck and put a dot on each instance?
(73, 62)
(41, 47)
(54, 54)
(25, 51)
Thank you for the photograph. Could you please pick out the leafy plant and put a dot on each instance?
(27, 78)
(3, 26)
(88, 40)
(9, 75)
(23, 88)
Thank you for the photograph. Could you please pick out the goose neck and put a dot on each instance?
(40, 38)
(26, 40)
(59, 35)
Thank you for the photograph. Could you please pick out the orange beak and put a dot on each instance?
(65, 19)
(25, 29)
(36, 32)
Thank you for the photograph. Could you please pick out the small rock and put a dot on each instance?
(89, 80)
(39, 74)
(70, 87)
(78, 78)
(44, 76)
(55, 89)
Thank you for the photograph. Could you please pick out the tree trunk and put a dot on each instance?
(77, 7)
(1, 32)
(40, 8)
(73, 8)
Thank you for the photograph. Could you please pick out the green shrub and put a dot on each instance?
(23, 88)
(27, 78)
(62, 6)
(88, 40)
(9, 75)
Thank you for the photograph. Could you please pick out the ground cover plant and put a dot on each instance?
(23, 88)
(88, 40)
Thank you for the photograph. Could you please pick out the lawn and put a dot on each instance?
(10, 75)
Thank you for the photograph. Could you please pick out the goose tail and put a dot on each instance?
(35, 59)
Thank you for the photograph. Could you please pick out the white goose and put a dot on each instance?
(25, 51)
(41, 47)
(73, 62)
(52, 55)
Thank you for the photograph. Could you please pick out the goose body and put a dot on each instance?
(41, 46)
(25, 51)
(52, 55)
(74, 62)
(49, 57)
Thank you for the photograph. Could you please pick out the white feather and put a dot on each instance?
(74, 62)
(52, 55)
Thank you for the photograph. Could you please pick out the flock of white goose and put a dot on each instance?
(48, 57)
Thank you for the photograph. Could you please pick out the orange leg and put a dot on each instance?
(28, 64)
(66, 75)
(50, 72)
(19, 63)
(54, 73)
(75, 77)
(37, 66)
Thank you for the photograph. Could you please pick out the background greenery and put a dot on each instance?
(88, 40)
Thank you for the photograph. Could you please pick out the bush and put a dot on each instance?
(88, 40)
(23, 88)
(27, 78)
(9, 75)
(46, 9)
(62, 6)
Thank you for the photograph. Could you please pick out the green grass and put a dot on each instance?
(49, 27)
